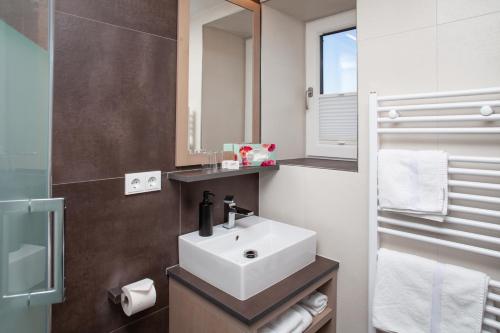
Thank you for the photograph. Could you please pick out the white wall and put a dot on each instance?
(283, 83)
(404, 46)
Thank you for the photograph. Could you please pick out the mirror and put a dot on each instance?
(218, 98)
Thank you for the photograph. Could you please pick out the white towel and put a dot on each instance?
(417, 295)
(315, 303)
(403, 293)
(413, 182)
(287, 322)
(306, 318)
(463, 298)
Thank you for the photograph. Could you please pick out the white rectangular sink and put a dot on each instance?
(220, 259)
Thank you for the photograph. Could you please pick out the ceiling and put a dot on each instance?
(239, 24)
(309, 10)
(199, 5)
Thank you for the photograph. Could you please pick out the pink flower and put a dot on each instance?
(268, 163)
(244, 150)
(271, 147)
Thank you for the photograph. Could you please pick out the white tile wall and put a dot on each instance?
(384, 17)
(401, 63)
(453, 10)
(469, 53)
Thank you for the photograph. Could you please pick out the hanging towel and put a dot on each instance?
(413, 182)
(463, 298)
(403, 293)
(287, 322)
(315, 303)
(418, 295)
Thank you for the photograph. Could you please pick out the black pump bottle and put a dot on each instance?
(206, 213)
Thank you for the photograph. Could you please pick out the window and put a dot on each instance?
(338, 62)
(333, 112)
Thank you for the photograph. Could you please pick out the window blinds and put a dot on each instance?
(338, 118)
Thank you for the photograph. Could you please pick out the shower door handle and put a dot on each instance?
(54, 293)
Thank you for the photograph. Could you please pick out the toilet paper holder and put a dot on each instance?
(115, 295)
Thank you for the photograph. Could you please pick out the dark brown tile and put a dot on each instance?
(244, 188)
(156, 322)
(157, 17)
(112, 240)
(114, 101)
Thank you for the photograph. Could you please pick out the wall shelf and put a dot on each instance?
(197, 175)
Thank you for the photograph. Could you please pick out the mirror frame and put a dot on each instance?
(183, 157)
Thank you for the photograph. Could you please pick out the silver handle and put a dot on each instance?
(55, 249)
(309, 94)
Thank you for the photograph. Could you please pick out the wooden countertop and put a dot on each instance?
(258, 306)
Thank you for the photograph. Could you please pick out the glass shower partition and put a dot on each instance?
(31, 222)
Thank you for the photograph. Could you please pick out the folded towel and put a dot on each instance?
(417, 295)
(315, 303)
(413, 182)
(287, 322)
(306, 318)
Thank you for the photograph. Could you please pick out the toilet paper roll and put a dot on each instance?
(138, 296)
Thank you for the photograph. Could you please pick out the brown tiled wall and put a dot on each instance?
(114, 112)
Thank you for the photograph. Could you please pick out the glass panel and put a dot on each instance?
(339, 62)
(24, 157)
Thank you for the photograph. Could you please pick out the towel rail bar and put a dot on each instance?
(471, 117)
(494, 284)
(441, 94)
(492, 310)
(472, 197)
(474, 172)
(442, 242)
(474, 210)
(494, 297)
(472, 223)
(439, 106)
(442, 130)
(438, 230)
(483, 186)
(491, 323)
(476, 159)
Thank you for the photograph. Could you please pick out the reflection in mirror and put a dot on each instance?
(220, 75)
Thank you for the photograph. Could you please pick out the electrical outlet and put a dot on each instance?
(142, 182)
(153, 181)
(134, 183)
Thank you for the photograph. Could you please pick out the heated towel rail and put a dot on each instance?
(467, 173)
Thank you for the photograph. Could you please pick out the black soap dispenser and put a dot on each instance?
(206, 213)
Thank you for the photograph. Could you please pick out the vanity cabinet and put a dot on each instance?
(196, 306)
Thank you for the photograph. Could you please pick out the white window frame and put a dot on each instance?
(314, 31)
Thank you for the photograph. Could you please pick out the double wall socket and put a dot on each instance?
(142, 182)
